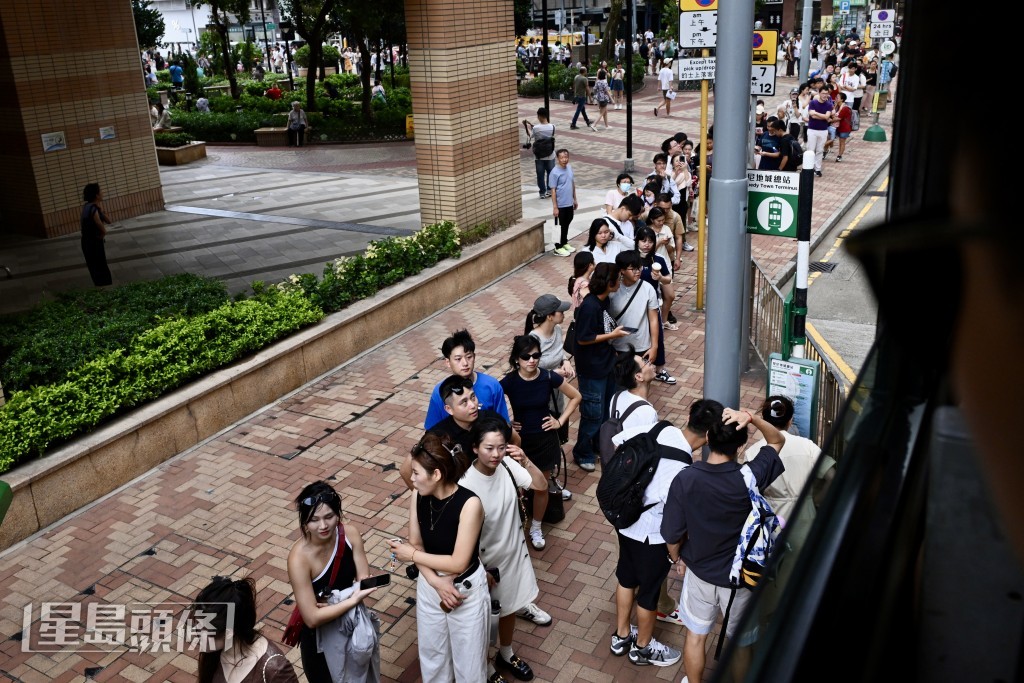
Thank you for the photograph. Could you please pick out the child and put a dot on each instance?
(845, 127)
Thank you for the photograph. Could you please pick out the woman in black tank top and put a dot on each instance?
(311, 564)
(452, 600)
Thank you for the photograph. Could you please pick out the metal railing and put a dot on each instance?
(768, 321)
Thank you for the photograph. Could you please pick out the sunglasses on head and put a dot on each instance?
(315, 501)
(456, 389)
(527, 356)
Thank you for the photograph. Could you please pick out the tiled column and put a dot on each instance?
(463, 74)
(72, 68)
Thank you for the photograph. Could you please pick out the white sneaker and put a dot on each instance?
(592, 127)
(566, 494)
(535, 614)
(537, 538)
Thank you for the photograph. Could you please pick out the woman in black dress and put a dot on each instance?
(94, 228)
(311, 564)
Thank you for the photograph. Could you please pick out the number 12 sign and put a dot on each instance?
(762, 80)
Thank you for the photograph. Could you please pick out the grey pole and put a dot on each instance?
(544, 60)
(723, 341)
(629, 166)
(805, 36)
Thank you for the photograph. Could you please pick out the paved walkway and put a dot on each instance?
(222, 508)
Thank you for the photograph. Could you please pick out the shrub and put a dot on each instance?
(43, 345)
(172, 139)
(156, 361)
(330, 56)
(221, 127)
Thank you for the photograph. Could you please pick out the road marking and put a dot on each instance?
(831, 353)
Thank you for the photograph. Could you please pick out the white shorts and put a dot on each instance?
(701, 603)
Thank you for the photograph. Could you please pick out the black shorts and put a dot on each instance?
(544, 449)
(642, 566)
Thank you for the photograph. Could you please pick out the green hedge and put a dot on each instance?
(158, 360)
(43, 345)
(560, 80)
(172, 139)
(221, 127)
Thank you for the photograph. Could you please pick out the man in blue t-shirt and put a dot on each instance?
(707, 505)
(177, 76)
(459, 351)
(563, 199)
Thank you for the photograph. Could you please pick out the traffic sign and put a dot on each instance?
(887, 47)
(886, 30)
(698, 29)
(880, 16)
(271, 26)
(696, 69)
(765, 48)
(698, 5)
(771, 202)
(844, 7)
(762, 80)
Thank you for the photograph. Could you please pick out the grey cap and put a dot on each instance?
(546, 304)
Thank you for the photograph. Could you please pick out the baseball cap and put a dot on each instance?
(546, 304)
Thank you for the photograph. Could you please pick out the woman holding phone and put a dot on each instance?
(452, 601)
(496, 476)
(329, 556)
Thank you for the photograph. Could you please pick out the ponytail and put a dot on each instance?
(532, 320)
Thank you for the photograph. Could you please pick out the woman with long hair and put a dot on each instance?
(529, 390)
(655, 271)
(235, 651)
(601, 242)
(94, 231)
(496, 477)
(452, 600)
(579, 284)
(329, 556)
(603, 97)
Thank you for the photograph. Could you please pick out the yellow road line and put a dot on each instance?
(831, 353)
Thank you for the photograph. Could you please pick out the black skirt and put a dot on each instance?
(543, 449)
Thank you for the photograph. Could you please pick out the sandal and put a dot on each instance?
(670, 326)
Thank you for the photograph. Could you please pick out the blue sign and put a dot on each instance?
(844, 7)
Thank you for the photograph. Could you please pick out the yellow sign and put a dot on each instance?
(826, 23)
(698, 5)
(766, 47)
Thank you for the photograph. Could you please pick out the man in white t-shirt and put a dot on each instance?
(665, 83)
(634, 306)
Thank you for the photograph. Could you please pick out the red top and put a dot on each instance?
(845, 119)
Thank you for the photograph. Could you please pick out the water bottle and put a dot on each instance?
(495, 614)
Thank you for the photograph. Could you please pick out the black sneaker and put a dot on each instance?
(817, 173)
(672, 318)
(621, 646)
(655, 654)
(520, 669)
(574, 127)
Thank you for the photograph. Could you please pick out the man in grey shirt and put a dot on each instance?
(634, 306)
(580, 91)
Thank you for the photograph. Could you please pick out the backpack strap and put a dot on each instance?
(639, 286)
(630, 409)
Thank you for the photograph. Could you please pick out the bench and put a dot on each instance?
(169, 129)
(277, 137)
(217, 90)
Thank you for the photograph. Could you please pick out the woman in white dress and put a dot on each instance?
(496, 476)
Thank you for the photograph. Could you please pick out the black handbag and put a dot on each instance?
(555, 511)
(569, 345)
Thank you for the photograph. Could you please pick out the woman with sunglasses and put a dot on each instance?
(329, 556)
(529, 390)
(496, 476)
(249, 657)
(452, 600)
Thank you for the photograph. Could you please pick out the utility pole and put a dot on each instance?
(723, 340)
(805, 45)
(629, 166)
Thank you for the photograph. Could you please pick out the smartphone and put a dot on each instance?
(375, 581)
(631, 330)
(495, 574)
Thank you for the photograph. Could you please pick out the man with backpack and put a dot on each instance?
(789, 152)
(705, 514)
(542, 139)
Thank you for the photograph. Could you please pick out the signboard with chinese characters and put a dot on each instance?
(797, 379)
(772, 202)
(885, 30)
(696, 69)
(698, 29)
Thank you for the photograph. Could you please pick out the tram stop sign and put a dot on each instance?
(772, 202)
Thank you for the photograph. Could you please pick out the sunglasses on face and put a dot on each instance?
(527, 356)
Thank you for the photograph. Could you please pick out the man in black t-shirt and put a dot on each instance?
(708, 503)
(788, 159)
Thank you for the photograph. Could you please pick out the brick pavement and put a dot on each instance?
(222, 507)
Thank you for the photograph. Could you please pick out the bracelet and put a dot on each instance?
(413, 558)
(747, 413)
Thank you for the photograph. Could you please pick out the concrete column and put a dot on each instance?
(464, 103)
(72, 69)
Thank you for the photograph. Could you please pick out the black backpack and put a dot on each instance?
(612, 426)
(620, 493)
(798, 153)
(543, 147)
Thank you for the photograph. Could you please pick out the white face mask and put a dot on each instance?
(625, 187)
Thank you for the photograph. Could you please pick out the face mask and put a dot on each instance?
(624, 187)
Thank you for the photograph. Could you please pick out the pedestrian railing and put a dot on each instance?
(768, 327)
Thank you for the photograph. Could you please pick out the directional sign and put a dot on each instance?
(271, 26)
(765, 48)
(762, 80)
(771, 202)
(886, 30)
(697, 5)
(698, 29)
(844, 7)
(697, 69)
(880, 16)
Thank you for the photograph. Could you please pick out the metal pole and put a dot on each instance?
(702, 185)
(266, 40)
(803, 253)
(544, 60)
(629, 166)
(805, 40)
(723, 342)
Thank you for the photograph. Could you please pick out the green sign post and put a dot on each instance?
(771, 202)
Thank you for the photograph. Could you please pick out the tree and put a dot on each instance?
(611, 32)
(221, 14)
(521, 15)
(149, 24)
(310, 20)
(368, 25)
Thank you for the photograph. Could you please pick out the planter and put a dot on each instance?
(176, 156)
(327, 71)
(78, 473)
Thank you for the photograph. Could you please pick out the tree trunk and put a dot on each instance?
(364, 80)
(229, 68)
(311, 73)
(611, 31)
